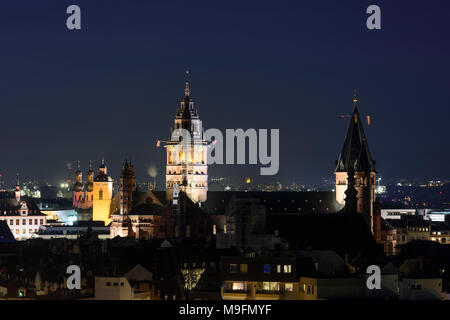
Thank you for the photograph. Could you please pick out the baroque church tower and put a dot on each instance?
(78, 192)
(355, 158)
(102, 190)
(89, 188)
(186, 164)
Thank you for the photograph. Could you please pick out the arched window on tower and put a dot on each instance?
(100, 194)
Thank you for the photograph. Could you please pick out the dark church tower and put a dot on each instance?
(355, 156)
(127, 187)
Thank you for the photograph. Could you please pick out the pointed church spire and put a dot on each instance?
(355, 151)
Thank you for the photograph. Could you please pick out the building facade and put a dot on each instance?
(22, 214)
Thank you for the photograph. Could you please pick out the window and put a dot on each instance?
(100, 194)
(116, 284)
(289, 287)
(17, 222)
(121, 284)
(266, 268)
(233, 268)
(271, 286)
(238, 286)
(41, 221)
(30, 222)
(278, 268)
(24, 231)
(287, 268)
(24, 222)
(17, 231)
(35, 221)
(244, 268)
(11, 222)
(108, 284)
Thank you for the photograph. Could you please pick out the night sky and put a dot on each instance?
(112, 88)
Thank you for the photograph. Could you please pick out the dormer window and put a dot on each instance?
(23, 209)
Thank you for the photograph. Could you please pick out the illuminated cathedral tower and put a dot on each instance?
(102, 189)
(355, 156)
(186, 163)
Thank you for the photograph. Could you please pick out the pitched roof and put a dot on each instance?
(355, 150)
(5, 233)
(343, 233)
(275, 202)
(139, 273)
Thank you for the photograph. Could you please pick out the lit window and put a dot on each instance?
(287, 268)
(289, 287)
(278, 268)
(233, 268)
(244, 268)
(238, 286)
(267, 268)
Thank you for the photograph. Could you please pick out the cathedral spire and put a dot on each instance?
(355, 151)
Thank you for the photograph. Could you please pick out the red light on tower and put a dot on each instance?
(158, 143)
(368, 120)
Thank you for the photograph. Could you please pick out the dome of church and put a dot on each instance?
(103, 178)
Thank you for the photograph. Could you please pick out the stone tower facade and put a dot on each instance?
(121, 225)
(356, 154)
(186, 164)
(102, 190)
(127, 187)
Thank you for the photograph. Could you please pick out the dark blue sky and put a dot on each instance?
(112, 88)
